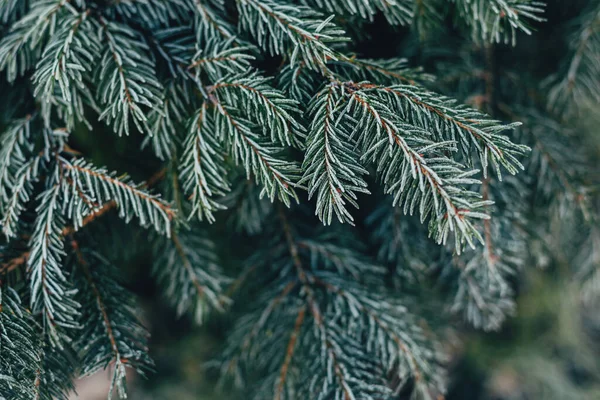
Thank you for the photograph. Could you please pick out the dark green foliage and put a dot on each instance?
(345, 209)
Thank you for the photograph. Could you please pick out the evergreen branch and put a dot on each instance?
(299, 81)
(253, 327)
(51, 292)
(127, 82)
(164, 121)
(79, 205)
(112, 332)
(396, 12)
(559, 174)
(152, 14)
(16, 262)
(54, 372)
(331, 167)
(350, 381)
(439, 115)
(188, 270)
(22, 188)
(210, 23)
(249, 210)
(19, 48)
(323, 324)
(578, 86)
(325, 358)
(202, 170)
(281, 27)
(402, 244)
(265, 105)
(130, 199)
(379, 313)
(484, 294)
(340, 259)
(18, 355)
(332, 362)
(12, 10)
(481, 280)
(220, 58)
(257, 154)
(435, 184)
(396, 332)
(497, 21)
(388, 71)
(70, 53)
(14, 148)
(176, 46)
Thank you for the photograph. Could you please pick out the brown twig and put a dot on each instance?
(289, 353)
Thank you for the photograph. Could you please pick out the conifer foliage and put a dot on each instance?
(265, 125)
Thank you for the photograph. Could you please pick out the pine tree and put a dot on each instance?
(329, 203)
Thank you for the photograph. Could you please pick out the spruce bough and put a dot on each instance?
(351, 177)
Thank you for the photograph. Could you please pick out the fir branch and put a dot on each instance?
(249, 329)
(210, 21)
(578, 86)
(257, 154)
(175, 46)
(166, 121)
(70, 53)
(396, 12)
(299, 81)
(387, 72)
(21, 46)
(307, 314)
(51, 293)
(331, 168)
(484, 294)
(14, 149)
(112, 332)
(499, 21)
(16, 262)
(402, 245)
(281, 27)
(289, 353)
(337, 380)
(220, 58)
(322, 322)
(152, 14)
(18, 356)
(54, 372)
(417, 173)
(445, 120)
(379, 313)
(128, 86)
(559, 174)
(249, 212)
(402, 339)
(188, 270)
(22, 189)
(12, 10)
(267, 106)
(202, 170)
(130, 199)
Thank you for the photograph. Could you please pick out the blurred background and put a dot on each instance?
(549, 349)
